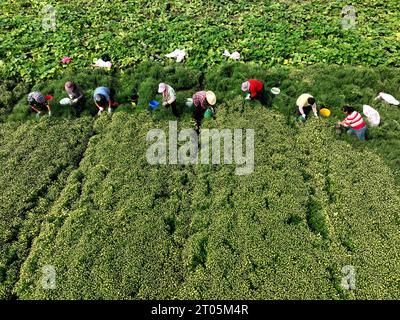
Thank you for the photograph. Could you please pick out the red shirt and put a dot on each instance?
(255, 87)
(354, 120)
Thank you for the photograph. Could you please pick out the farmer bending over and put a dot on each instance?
(103, 97)
(169, 97)
(203, 101)
(38, 103)
(305, 104)
(255, 88)
(76, 95)
(355, 121)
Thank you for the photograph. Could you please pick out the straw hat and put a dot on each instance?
(161, 87)
(211, 98)
(245, 86)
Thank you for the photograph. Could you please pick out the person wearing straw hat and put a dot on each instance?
(38, 103)
(103, 97)
(255, 89)
(76, 96)
(169, 97)
(203, 101)
(305, 103)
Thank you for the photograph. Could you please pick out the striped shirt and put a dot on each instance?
(169, 95)
(354, 120)
(199, 99)
(36, 98)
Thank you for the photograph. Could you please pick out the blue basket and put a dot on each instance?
(153, 104)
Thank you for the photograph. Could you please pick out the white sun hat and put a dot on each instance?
(161, 87)
(211, 97)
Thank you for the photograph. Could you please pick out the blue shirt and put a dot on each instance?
(103, 91)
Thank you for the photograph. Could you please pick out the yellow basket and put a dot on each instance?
(325, 112)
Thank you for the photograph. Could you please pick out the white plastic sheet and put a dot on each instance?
(178, 54)
(373, 116)
(102, 64)
(234, 55)
(388, 98)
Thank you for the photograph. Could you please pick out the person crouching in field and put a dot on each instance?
(355, 121)
(76, 95)
(169, 97)
(305, 103)
(203, 102)
(38, 103)
(255, 89)
(104, 97)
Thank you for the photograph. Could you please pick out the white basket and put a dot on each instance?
(65, 101)
(275, 91)
(189, 102)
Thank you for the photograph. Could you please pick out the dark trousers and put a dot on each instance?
(173, 107)
(264, 98)
(78, 108)
(198, 115)
(114, 103)
(306, 110)
(112, 94)
(41, 108)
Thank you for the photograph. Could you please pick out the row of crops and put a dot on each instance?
(80, 196)
(333, 86)
(121, 228)
(35, 164)
(83, 215)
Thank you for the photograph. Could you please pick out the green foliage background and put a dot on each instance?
(79, 194)
(122, 228)
(264, 32)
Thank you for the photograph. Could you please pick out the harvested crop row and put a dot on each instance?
(125, 229)
(36, 160)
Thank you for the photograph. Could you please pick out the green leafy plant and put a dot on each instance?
(80, 196)
(283, 33)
